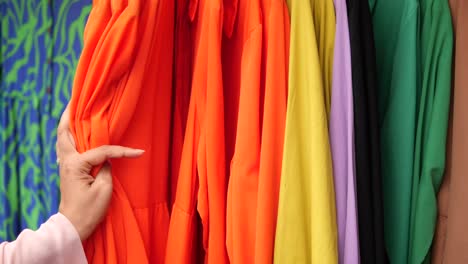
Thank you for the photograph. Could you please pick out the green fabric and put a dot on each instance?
(396, 34)
(429, 160)
(40, 43)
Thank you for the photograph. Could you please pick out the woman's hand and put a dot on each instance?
(85, 199)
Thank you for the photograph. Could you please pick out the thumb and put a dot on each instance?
(103, 179)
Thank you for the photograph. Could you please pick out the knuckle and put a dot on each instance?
(60, 132)
(121, 152)
(106, 185)
(70, 163)
(66, 166)
(106, 149)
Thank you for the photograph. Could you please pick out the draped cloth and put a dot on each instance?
(122, 95)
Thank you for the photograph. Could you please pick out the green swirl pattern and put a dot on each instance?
(40, 45)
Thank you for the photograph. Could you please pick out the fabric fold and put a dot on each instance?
(122, 96)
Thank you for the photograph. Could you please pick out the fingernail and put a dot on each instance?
(139, 151)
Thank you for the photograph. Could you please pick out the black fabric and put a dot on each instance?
(368, 176)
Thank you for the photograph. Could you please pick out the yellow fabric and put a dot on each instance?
(306, 229)
(324, 23)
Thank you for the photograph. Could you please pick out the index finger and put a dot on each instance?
(100, 154)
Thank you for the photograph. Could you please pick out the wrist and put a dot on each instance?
(80, 225)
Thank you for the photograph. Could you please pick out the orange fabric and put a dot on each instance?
(182, 84)
(255, 61)
(201, 186)
(275, 61)
(241, 76)
(122, 95)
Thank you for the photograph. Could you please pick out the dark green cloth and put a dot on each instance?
(431, 133)
(396, 32)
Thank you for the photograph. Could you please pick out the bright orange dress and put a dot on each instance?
(255, 61)
(122, 95)
(201, 186)
(182, 85)
(274, 74)
(242, 53)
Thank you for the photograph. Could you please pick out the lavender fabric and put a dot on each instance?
(342, 140)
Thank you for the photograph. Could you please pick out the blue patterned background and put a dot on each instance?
(40, 45)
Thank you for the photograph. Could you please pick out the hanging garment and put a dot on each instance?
(306, 228)
(242, 53)
(431, 132)
(274, 81)
(122, 95)
(397, 45)
(323, 15)
(40, 42)
(201, 187)
(342, 140)
(451, 241)
(366, 134)
(182, 84)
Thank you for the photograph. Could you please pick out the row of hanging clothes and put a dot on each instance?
(305, 131)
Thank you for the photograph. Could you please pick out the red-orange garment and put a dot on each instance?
(201, 186)
(255, 63)
(182, 83)
(122, 95)
(241, 80)
(275, 61)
